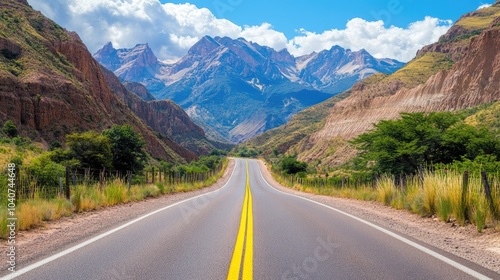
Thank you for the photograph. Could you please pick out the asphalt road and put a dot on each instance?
(249, 230)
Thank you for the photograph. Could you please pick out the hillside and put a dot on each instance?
(487, 115)
(302, 124)
(51, 86)
(460, 71)
(163, 116)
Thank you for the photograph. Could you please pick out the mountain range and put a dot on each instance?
(236, 89)
(51, 86)
(460, 71)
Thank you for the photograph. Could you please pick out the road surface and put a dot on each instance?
(249, 230)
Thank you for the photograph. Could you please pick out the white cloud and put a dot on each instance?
(393, 42)
(170, 29)
(484, 6)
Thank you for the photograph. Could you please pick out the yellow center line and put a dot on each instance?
(245, 230)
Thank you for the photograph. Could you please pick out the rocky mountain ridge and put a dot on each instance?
(51, 86)
(221, 78)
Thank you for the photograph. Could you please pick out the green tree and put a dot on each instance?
(45, 171)
(291, 165)
(400, 146)
(127, 147)
(91, 149)
(10, 129)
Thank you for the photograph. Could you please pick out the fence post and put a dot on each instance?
(87, 176)
(129, 179)
(60, 186)
(68, 195)
(465, 189)
(421, 175)
(102, 177)
(153, 174)
(487, 192)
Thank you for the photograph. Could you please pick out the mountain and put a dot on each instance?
(236, 89)
(460, 71)
(163, 116)
(51, 86)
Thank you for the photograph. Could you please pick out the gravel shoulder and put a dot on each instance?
(55, 236)
(466, 242)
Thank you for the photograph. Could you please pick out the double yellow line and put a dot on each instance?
(244, 239)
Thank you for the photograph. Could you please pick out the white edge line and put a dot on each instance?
(451, 262)
(102, 235)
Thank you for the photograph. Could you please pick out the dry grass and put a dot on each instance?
(420, 69)
(481, 20)
(440, 195)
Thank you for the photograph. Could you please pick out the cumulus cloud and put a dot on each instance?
(393, 42)
(171, 29)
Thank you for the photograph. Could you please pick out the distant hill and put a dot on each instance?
(51, 86)
(236, 89)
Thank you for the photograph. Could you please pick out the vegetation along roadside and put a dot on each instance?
(92, 171)
(433, 164)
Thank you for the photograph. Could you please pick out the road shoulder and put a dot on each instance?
(465, 242)
(60, 234)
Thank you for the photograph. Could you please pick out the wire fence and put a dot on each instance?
(482, 183)
(55, 183)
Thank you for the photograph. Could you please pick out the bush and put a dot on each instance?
(91, 149)
(291, 165)
(10, 129)
(45, 171)
(401, 146)
(127, 148)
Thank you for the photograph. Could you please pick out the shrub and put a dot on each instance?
(127, 148)
(10, 129)
(291, 165)
(92, 150)
(45, 171)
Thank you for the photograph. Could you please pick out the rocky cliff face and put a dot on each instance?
(139, 90)
(51, 86)
(474, 79)
(163, 116)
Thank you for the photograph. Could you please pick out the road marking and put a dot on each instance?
(244, 237)
(415, 245)
(248, 261)
(94, 239)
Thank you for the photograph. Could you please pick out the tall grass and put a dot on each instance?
(441, 195)
(33, 212)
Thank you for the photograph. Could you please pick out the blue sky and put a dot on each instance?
(318, 16)
(389, 28)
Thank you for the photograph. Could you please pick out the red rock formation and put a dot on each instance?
(472, 81)
(53, 86)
